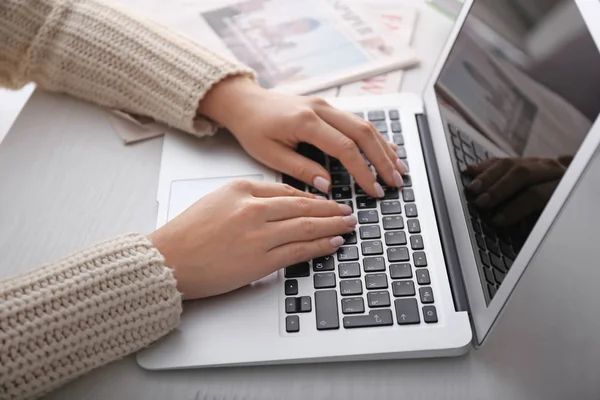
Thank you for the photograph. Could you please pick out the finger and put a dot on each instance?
(368, 139)
(340, 146)
(272, 189)
(295, 165)
(308, 228)
(488, 176)
(390, 149)
(475, 169)
(284, 208)
(518, 177)
(294, 253)
(531, 200)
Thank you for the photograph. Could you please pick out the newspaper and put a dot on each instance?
(507, 106)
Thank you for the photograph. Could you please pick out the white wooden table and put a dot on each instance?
(66, 187)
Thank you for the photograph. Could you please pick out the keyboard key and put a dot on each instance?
(358, 190)
(298, 270)
(372, 248)
(370, 232)
(488, 230)
(499, 276)
(368, 217)
(462, 167)
(401, 152)
(376, 281)
(324, 281)
(403, 288)
(426, 295)
(326, 310)
(400, 271)
(419, 259)
(416, 242)
(349, 270)
(492, 290)
(430, 314)
(311, 152)
(365, 202)
(374, 264)
(492, 246)
(466, 180)
(353, 305)
(414, 226)
(473, 210)
(468, 150)
(318, 193)
(480, 152)
(396, 127)
(292, 324)
(489, 275)
(395, 222)
(480, 242)
(497, 263)
(456, 142)
(348, 203)
(394, 115)
(323, 264)
(395, 238)
(335, 165)
(469, 160)
(350, 238)
(390, 193)
(298, 304)
(381, 126)
(293, 182)
(375, 318)
(398, 139)
(508, 262)
(407, 180)
(340, 179)
(390, 207)
(411, 210)
(341, 193)
(359, 114)
(398, 254)
(350, 287)
(349, 253)
(407, 311)
(423, 277)
(291, 287)
(376, 115)
(484, 258)
(378, 299)
(408, 195)
(507, 250)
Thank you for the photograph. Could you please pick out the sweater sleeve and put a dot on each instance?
(101, 52)
(86, 310)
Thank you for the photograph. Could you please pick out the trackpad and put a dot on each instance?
(186, 192)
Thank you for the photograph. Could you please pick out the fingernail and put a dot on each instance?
(378, 189)
(319, 197)
(499, 219)
(350, 220)
(321, 184)
(345, 209)
(398, 179)
(337, 241)
(401, 166)
(482, 200)
(475, 186)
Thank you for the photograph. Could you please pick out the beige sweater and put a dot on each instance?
(68, 317)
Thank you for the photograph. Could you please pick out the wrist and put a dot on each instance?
(229, 99)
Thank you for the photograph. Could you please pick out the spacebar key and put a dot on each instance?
(375, 318)
(326, 310)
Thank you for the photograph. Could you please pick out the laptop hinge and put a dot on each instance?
(441, 212)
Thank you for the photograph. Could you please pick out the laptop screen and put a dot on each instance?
(518, 93)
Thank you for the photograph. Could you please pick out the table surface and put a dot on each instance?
(66, 187)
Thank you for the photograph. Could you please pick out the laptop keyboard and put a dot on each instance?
(496, 254)
(380, 276)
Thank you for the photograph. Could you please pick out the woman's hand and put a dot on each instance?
(270, 126)
(245, 231)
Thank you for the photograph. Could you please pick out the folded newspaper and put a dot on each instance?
(344, 47)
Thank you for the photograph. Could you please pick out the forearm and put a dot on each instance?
(86, 310)
(103, 53)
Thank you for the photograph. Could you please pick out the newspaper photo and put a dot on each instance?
(309, 45)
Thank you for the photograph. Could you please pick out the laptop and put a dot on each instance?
(430, 267)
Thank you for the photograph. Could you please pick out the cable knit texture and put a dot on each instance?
(95, 306)
(102, 53)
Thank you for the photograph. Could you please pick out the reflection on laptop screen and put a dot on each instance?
(519, 93)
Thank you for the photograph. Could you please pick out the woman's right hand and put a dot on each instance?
(244, 231)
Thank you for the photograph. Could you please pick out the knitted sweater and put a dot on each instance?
(95, 306)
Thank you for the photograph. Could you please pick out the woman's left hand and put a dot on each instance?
(270, 126)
